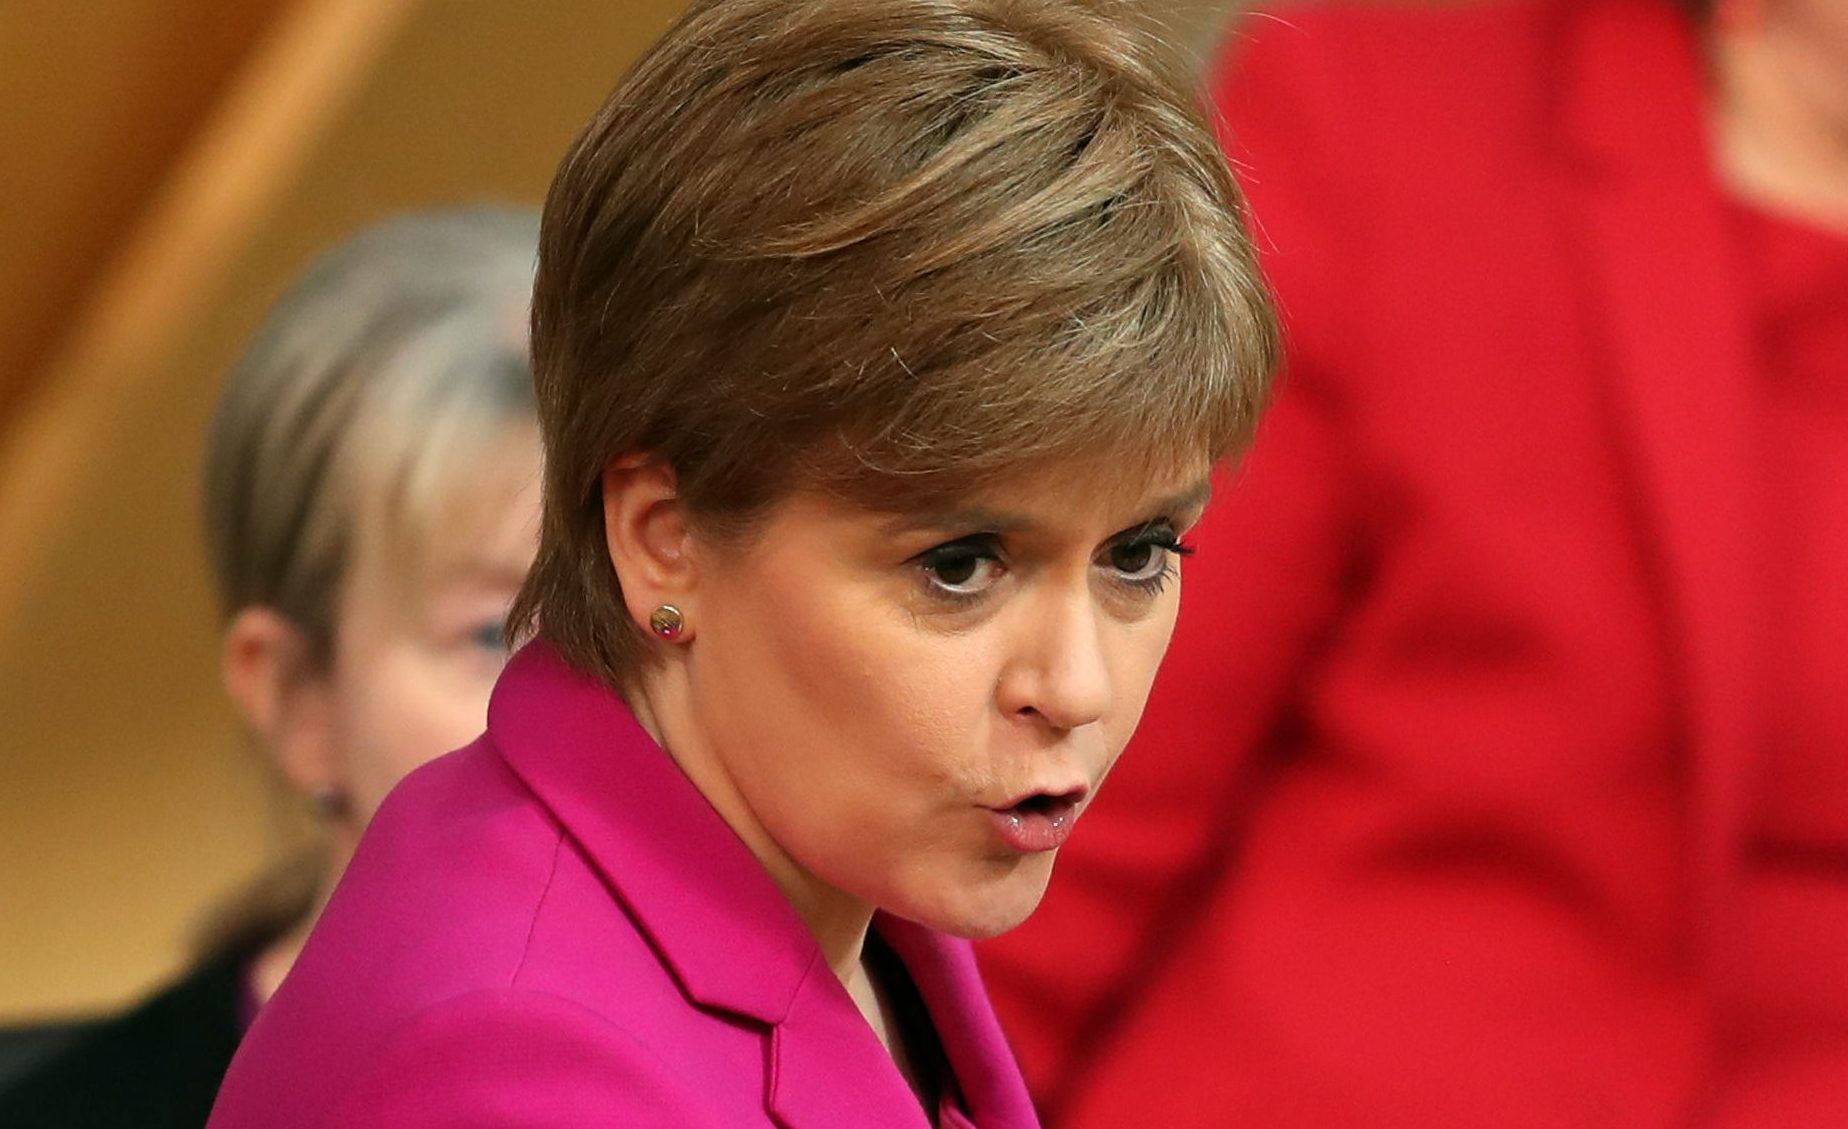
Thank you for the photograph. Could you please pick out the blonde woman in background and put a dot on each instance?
(371, 496)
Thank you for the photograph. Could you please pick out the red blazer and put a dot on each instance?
(1438, 816)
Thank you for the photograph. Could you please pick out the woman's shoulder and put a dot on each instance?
(493, 1055)
(469, 935)
(464, 881)
(1361, 129)
(1395, 39)
(459, 844)
(1383, 81)
(535, 1058)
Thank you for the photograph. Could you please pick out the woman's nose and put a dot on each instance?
(1058, 673)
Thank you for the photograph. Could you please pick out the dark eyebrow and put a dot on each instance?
(1195, 497)
(994, 521)
(960, 518)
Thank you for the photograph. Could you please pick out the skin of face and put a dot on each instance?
(416, 650)
(418, 645)
(859, 691)
(1815, 35)
(1780, 111)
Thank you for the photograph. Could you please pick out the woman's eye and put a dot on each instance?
(962, 568)
(490, 635)
(1137, 560)
(1145, 558)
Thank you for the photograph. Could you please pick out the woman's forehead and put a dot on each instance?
(1078, 501)
(1047, 501)
(473, 507)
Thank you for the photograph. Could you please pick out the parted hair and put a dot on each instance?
(888, 250)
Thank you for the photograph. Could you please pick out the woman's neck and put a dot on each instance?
(838, 921)
(274, 961)
(872, 991)
(1780, 120)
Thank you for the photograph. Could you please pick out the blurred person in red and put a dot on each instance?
(371, 508)
(1499, 771)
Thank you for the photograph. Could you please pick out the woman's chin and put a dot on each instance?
(976, 911)
(983, 928)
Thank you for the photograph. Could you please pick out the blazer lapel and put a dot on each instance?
(723, 929)
(945, 973)
(1660, 263)
(832, 1072)
(829, 1070)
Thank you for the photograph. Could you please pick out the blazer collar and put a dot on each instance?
(710, 909)
(816, 1085)
(945, 972)
(1661, 264)
(722, 927)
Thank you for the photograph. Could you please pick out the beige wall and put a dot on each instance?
(127, 804)
(134, 267)
(75, 165)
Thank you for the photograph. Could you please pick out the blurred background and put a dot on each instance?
(168, 168)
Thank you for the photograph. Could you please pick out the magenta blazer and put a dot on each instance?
(551, 927)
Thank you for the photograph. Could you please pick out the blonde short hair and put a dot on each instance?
(382, 375)
(892, 250)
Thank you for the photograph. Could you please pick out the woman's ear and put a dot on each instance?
(646, 531)
(286, 700)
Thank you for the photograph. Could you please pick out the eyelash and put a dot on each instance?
(1159, 535)
(987, 546)
(489, 635)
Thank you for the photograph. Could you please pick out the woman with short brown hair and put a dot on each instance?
(882, 355)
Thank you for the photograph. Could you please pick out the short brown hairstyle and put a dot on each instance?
(892, 250)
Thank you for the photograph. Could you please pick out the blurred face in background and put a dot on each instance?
(418, 634)
(1813, 35)
(416, 638)
(1804, 41)
(1780, 111)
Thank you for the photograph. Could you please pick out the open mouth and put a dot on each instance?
(1038, 822)
(1043, 803)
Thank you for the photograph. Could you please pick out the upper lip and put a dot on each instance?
(1073, 794)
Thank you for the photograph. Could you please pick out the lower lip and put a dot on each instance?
(1036, 830)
